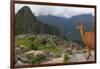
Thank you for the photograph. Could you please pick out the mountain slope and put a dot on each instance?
(26, 22)
(67, 26)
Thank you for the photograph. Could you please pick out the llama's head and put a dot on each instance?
(80, 26)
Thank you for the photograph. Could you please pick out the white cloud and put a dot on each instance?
(56, 10)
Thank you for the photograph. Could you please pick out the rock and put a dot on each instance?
(38, 52)
(19, 63)
(21, 36)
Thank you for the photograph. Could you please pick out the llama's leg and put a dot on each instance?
(89, 53)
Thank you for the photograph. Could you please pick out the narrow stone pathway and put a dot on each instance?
(81, 57)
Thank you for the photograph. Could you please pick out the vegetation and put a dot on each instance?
(66, 58)
(51, 46)
(36, 59)
(37, 43)
(26, 22)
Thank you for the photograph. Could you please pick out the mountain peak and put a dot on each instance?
(26, 8)
(26, 23)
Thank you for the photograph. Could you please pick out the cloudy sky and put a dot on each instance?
(56, 10)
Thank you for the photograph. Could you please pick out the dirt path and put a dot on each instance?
(81, 57)
(77, 57)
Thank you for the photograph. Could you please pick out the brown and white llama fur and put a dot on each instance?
(88, 38)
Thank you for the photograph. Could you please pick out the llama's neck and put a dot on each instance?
(82, 31)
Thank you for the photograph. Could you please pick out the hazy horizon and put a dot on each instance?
(61, 11)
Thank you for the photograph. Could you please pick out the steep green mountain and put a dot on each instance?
(27, 23)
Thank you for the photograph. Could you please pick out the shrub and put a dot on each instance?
(37, 59)
(66, 58)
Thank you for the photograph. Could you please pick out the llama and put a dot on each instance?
(88, 38)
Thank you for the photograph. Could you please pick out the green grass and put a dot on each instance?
(53, 49)
(35, 44)
(23, 41)
(38, 59)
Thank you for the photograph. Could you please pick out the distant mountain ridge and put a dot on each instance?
(67, 26)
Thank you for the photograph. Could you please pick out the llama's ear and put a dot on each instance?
(79, 23)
